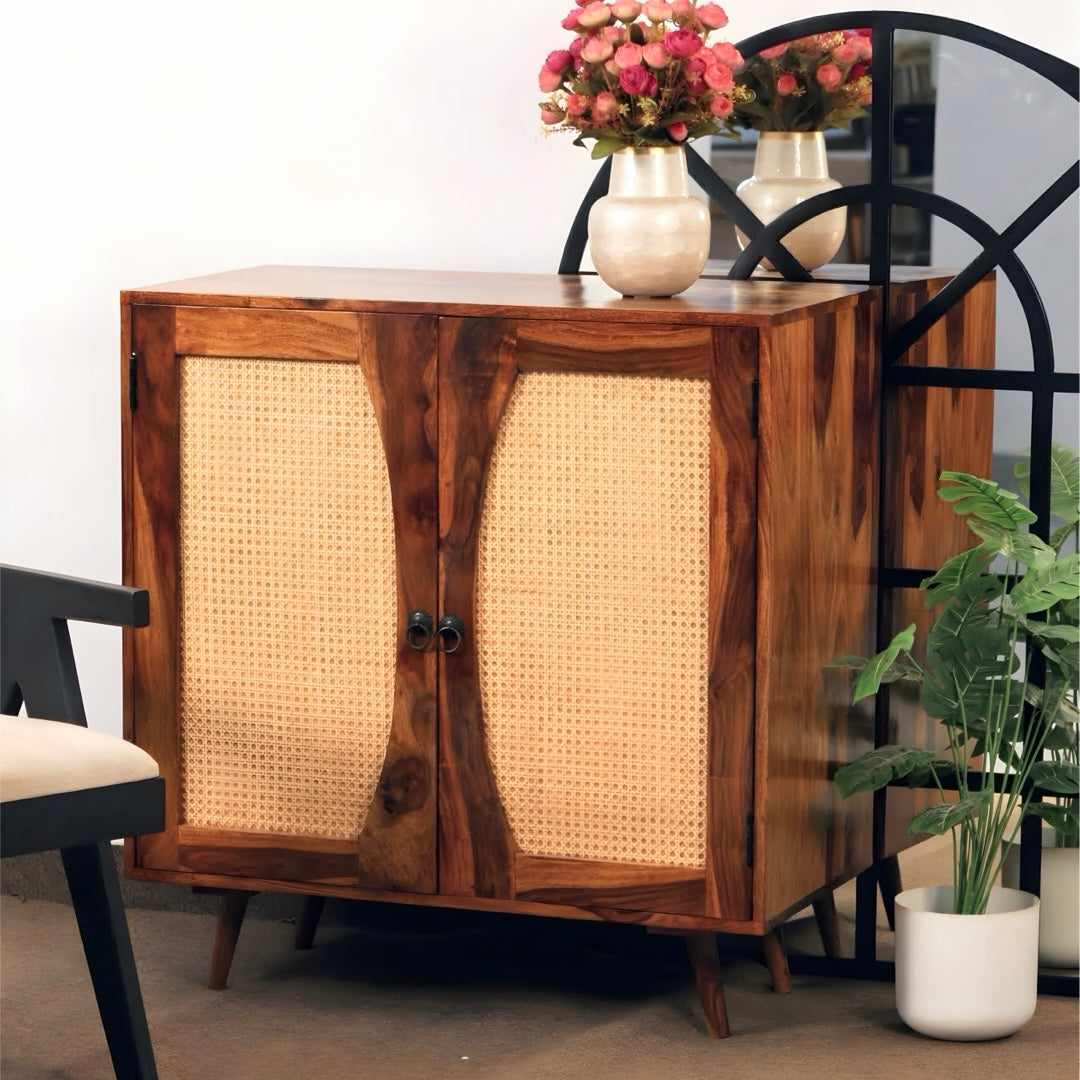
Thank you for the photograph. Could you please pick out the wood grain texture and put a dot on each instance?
(502, 296)
(930, 429)
(705, 965)
(578, 346)
(477, 369)
(399, 355)
(280, 335)
(585, 883)
(151, 502)
(649, 919)
(733, 509)
(230, 919)
(244, 854)
(817, 550)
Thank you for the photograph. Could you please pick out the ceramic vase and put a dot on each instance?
(790, 167)
(648, 236)
(966, 977)
(1059, 900)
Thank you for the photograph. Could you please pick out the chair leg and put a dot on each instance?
(828, 926)
(311, 909)
(776, 961)
(230, 918)
(99, 910)
(705, 963)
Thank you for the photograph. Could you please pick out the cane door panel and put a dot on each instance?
(597, 489)
(282, 509)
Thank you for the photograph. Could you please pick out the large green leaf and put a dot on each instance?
(1064, 482)
(955, 571)
(984, 500)
(1064, 818)
(1022, 547)
(870, 676)
(941, 817)
(605, 146)
(877, 767)
(1060, 777)
(1040, 589)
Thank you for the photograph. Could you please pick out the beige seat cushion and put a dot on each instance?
(46, 757)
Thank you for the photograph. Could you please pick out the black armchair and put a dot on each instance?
(65, 787)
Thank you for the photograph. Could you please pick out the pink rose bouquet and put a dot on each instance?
(810, 84)
(641, 74)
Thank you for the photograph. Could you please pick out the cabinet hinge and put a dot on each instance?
(133, 376)
(749, 839)
(753, 408)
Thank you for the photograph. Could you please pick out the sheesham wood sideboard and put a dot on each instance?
(503, 592)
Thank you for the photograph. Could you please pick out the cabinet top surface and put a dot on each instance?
(524, 296)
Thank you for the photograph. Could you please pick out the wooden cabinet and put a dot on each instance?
(656, 521)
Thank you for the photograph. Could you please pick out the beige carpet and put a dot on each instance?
(406, 994)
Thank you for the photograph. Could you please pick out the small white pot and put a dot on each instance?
(966, 977)
(1059, 900)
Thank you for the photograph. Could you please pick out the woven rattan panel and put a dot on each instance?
(592, 616)
(287, 596)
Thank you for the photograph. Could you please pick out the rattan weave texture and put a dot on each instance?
(592, 615)
(287, 596)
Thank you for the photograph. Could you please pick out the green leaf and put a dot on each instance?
(1056, 776)
(606, 145)
(941, 817)
(872, 673)
(954, 572)
(1064, 482)
(1053, 631)
(877, 767)
(1041, 588)
(1063, 818)
(983, 499)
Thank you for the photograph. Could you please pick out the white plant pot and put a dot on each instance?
(1059, 900)
(790, 167)
(648, 236)
(966, 977)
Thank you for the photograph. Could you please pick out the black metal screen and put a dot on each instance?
(998, 252)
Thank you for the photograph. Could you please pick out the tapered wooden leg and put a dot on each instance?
(828, 926)
(776, 961)
(99, 910)
(234, 903)
(705, 963)
(311, 908)
(888, 875)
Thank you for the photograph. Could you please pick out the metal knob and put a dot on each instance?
(450, 634)
(418, 630)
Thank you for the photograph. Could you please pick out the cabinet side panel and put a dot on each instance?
(151, 563)
(816, 594)
(287, 597)
(732, 626)
(930, 429)
(592, 615)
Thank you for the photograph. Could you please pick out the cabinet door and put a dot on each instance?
(280, 506)
(597, 537)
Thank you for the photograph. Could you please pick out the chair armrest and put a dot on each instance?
(37, 665)
(33, 594)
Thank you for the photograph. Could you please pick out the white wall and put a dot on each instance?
(148, 142)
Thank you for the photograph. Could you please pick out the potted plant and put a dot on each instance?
(1059, 890)
(999, 672)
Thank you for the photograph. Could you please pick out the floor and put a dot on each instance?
(411, 994)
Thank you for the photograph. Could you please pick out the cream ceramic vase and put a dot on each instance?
(790, 167)
(1059, 900)
(648, 236)
(966, 977)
